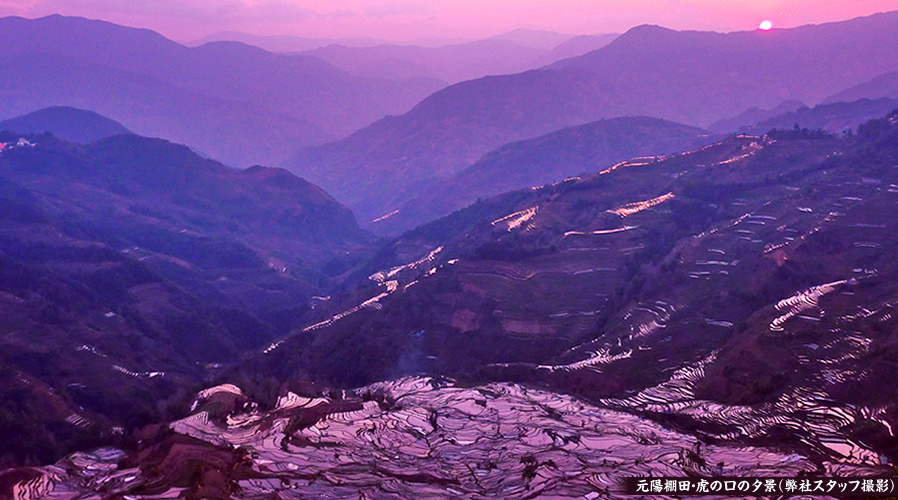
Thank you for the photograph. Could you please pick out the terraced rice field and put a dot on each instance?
(436, 439)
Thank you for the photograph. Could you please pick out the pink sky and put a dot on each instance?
(413, 19)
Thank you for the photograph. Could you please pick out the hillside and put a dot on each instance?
(744, 292)
(752, 116)
(67, 123)
(549, 158)
(577, 46)
(885, 85)
(226, 99)
(834, 117)
(132, 269)
(688, 77)
(696, 77)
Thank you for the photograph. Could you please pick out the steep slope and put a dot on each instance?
(132, 268)
(70, 124)
(694, 77)
(834, 117)
(577, 46)
(552, 157)
(688, 77)
(754, 115)
(743, 292)
(210, 97)
(380, 167)
(885, 85)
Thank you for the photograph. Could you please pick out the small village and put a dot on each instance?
(21, 143)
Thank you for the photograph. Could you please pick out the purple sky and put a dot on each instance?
(413, 19)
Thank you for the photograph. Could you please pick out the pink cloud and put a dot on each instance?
(409, 19)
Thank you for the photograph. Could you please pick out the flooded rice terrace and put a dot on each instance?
(432, 438)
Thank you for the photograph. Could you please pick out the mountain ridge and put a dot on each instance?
(66, 122)
(571, 151)
(691, 81)
(242, 85)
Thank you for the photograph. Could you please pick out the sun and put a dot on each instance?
(765, 25)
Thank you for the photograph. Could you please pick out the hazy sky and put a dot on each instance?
(412, 19)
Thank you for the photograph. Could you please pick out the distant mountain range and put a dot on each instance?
(534, 39)
(233, 102)
(444, 60)
(454, 63)
(691, 77)
(284, 43)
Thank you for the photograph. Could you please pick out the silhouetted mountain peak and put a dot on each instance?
(647, 29)
(283, 179)
(644, 35)
(72, 124)
(82, 35)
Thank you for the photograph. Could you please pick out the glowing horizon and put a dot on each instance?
(406, 20)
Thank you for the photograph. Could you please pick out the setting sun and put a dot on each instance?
(765, 26)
